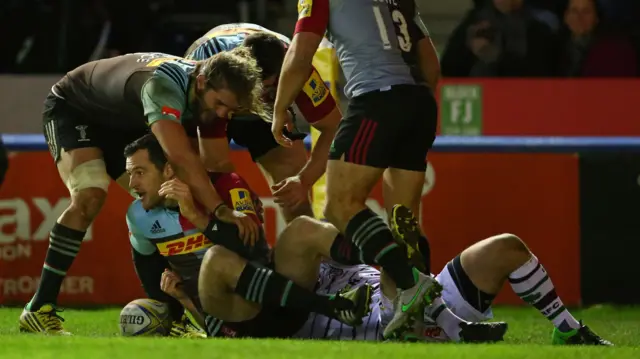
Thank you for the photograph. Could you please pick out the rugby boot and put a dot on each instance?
(482, 332)
(581, 336)
(44, 320)
(185, 328)
(409, 306)
(406, 231)
(361, 299)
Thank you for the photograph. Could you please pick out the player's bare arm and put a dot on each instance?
(216, 154)
(186, 162)
(429, 62)
(297, 66)
(171, 283)
(179, 192)
(294, 191)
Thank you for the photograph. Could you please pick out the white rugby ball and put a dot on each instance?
(145, 317)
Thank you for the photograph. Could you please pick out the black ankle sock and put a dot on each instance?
(344, 251)
(425, 250)
(64, 245)
(264, 286)
(372, 236)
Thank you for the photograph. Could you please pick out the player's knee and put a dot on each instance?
(88, 175)
(87, 203)
(218, 260)
(299, 235)
(508, 242)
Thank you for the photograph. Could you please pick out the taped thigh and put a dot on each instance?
(91, 174)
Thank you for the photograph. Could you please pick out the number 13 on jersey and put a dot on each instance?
(404, 39)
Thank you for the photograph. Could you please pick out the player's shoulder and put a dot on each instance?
(174, 73)
(135, 213)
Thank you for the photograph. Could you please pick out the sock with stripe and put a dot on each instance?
(445, 318)
(370, 233)
(264, 286)
(344, 251)
(64, 245)
(532, 283)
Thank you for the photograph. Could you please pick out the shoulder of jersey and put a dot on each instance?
(175, 71)
(135, 212)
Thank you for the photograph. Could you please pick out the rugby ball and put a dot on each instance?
(145, 317)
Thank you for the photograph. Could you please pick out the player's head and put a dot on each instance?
(269, 51)
(229, 82)
(148, 169)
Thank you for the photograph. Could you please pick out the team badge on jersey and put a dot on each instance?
(241, 200)
(171, 112)
(304, 8)
(315, 89)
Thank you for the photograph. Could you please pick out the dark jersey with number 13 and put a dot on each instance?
(375, 39)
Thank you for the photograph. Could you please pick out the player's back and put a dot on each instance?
(225, 38)
(109, 90)
(375, 41)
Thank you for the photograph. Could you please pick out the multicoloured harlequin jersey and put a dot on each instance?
(166, 231)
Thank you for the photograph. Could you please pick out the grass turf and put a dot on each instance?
(96, 336)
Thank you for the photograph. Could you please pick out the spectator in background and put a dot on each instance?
(589, 49)
(501, 38)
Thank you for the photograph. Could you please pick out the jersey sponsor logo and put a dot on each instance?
(315, 89)
(157, 228)
(241, 200)
(171, 112)
(304, 8)
(184, 245)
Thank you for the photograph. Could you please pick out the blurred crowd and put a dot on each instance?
(496, 38)
(67, 33)
(568, 38)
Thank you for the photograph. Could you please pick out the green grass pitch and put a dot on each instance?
(528, 337)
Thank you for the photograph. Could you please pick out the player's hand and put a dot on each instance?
(247, 228)
(280, 121)
(291, 192)
(179, 191)
(171, 283)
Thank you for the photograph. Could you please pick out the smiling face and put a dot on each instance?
(145, 178)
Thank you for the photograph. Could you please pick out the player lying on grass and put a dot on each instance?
(471, 281)
(168, 231)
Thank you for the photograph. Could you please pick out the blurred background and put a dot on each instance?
(539, 133)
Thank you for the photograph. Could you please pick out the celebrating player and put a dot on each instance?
(390, 67)
(96, 109)
(251, 299)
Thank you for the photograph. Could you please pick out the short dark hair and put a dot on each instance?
(150, 143)
(268, 50)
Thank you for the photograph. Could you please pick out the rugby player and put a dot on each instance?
(251, 299)
(95, 110)
(391, 67)
(471, 281)
(286, 169)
